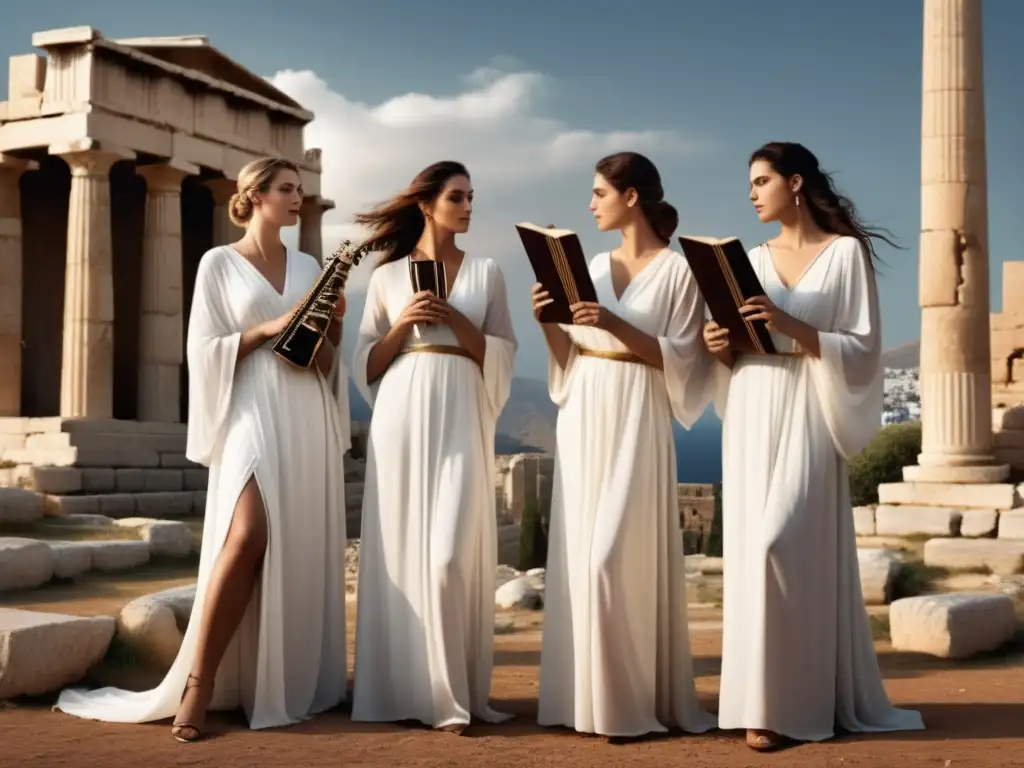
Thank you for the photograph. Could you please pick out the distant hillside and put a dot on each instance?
(904, 356)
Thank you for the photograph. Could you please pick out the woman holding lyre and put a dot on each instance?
(797, 655)
(437, 374)
(615, 657)
(267, 630)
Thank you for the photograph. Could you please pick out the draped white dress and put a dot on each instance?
(428, 554)
(798, 655)
(616, 652)
(260, 417)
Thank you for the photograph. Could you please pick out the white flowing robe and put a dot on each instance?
(616, 651)
(428, 554)
(260, 417)
(798, 654)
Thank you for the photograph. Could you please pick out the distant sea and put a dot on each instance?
(699, 451)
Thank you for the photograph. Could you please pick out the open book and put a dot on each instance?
(560, 266)
(727, 279)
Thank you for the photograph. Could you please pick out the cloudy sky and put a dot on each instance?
(530, 94)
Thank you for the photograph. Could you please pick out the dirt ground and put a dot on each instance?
(974, 712)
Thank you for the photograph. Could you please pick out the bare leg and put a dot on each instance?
(227, 598)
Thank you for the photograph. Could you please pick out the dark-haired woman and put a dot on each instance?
(798, 656)
(615, 658)
(437, 374)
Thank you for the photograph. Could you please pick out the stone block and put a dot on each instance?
(24, 563)
(199, 503)
(166, 538)
(164, 504)
(55, 480)
(998, 496)
(916, 521)
(162, 480)
(71, 505)
(953, 625)
(879, 571)
(20, 506)
(110, 556)
(1008, 418)
(195, 479)
(1011, 524)
(864, 521)
(977, 523)
(116, 505)
(1010, 438)
(71, 558)
(176, 461)
(99, 480)
(129, 480)
(43, 652)
(13, 425)
(1002, 557)
(154, 625)
(984, 475)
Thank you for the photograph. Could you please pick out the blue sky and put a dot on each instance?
(695, 85)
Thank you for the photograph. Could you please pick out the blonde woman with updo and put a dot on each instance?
(267, 630)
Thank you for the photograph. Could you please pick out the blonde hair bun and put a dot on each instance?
(240, 209)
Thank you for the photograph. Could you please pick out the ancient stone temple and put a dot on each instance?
(117, 159)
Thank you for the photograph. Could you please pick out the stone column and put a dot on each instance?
(311, 218)
(11, 287)
(224, 230)
(87, 368)
(956, 394)
(161, 323)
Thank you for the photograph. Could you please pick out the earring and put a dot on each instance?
(798, 201)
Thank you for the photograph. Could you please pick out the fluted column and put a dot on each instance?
(224, 230)
(956, 386)
(87, 367)
(161, 323)
(11, 285)
(311, 218)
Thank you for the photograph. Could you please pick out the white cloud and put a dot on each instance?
(520, 158)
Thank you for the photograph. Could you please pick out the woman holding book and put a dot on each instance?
(267, 631)
(437, 374)
(798, 655)
(615, 656)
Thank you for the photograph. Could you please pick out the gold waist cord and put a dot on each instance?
(438, 349)
(620, 357)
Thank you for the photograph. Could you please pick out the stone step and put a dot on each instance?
(998, 496)
(69, 480)
(1003, 557)
(157, 504)
(19, 506)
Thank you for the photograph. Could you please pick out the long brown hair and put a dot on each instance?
(832, 211)
(398, 223)
(627, 170)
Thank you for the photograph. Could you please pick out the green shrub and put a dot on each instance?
(533, 538)
(882, 460)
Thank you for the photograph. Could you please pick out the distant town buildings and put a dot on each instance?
(902, 401)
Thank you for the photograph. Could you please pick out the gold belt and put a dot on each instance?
(439, 349)
(621, 357)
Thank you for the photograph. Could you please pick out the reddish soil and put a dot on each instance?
(974, 712)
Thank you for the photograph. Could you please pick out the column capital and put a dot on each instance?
(166, 176)
(87, 157)
(222, 189)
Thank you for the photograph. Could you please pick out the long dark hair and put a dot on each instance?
(831, 210)
(627, 170)
(399, 222)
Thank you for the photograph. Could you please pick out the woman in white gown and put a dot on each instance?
(797, 653)
(268, 624)
(437, 374)
(615, 655)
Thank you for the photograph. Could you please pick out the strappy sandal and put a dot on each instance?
(763, 741)
(178, 729)
(457, 728)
